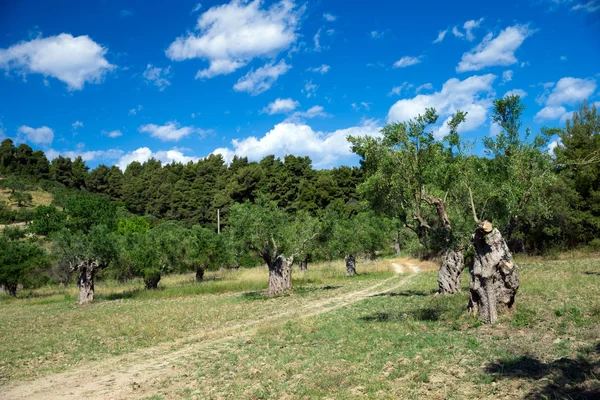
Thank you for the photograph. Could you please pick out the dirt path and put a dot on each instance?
(398, 268)
(413, 268)
(123, 377)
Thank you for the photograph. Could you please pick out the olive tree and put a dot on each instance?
(86, 254)
(17, 259)
(404, 170)
(205, 250)
(268, 232)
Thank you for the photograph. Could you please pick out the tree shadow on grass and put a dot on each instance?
(310, 289)
(255, 295)
(260, 294)
(405, 293)
(564, 378)
(128, 294)
(592, 273)
(421, 314)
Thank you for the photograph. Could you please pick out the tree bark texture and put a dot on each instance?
(199, 274)
(450, 272)
(397, 244)
(11, 288)
(280, 276)
(350, 265)
(85, 281)
(151, 281)
(494, 275)
(303, 266)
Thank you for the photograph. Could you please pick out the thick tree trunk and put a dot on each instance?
(350, 265)
(494, 275)
(303, 266)
(199, 274)
(11, 289)
(87, 271)
(450, 271)
(151, 281)
(280, 276)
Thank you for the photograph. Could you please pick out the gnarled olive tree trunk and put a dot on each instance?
(85, 281)
(450, 272)
(494, 275)
(453, 261)
(11, 288)
(350, 264)
(303, 265)
(280, 275)
(199, 274)
(151, 281)
(397, 244)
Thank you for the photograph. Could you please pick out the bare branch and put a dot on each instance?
(472, 203)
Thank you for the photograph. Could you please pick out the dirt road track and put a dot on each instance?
(120, 377)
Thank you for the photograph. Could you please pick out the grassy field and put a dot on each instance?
(377, 335)
(39, 198)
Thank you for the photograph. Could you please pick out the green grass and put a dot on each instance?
(407, 343)
(46, 331)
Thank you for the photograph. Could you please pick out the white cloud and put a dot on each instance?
(507, 76)
(495, 129)
(196, 8)
(329, 17)
(261, 80)
(441, 35)
(157, 76)
(316, 39)
(323, 69)
(310, 89)
(426, 86)
(568, 91)
(313, 112)
(231, 35)
(469, 26)
(171, 131)
(550, 113)
(361, 105)
(125, 13)
(113, 134)
(495, 51)
(86, 155)
(377, 34)
(457, 33)
(72, 60)
(563, 58)
(571, 90)
(280, 106)
(143, 154)
(325, 149)
(553, 145)
(134, 111)
(397, 90)
(42, 135)
(77, 124)
(590, 6)
(407, 61)
(519, 92)
(473, 95)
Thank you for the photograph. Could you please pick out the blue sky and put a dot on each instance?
(117, 81)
